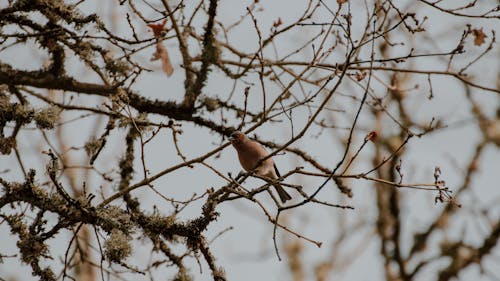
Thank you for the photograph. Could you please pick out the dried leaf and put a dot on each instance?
(277, 23)
(157, 28)
(361, 75)
(372, 136)
(479, 36)
(340, 2)
(162, 54)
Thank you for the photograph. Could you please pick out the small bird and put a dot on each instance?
(249, 154)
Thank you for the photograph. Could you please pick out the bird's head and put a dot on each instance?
(237, 137)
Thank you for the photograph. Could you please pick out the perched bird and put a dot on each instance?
(249, 153)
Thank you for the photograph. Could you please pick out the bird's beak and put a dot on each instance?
(232, 137)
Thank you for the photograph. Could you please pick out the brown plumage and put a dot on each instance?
(249, 154)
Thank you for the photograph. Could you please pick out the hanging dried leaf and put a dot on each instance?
(372, 136)
(479, 36)
(162, 54)
(340, 2)
(361, 75)
(157, 28)
(277, 23)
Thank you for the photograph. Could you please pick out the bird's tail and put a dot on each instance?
(284, 196)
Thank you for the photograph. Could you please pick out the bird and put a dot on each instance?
(249, 154)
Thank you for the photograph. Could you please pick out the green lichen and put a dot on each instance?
(92, 146)
(211, 104)
(4, 103)
(118, 68)
(22, 114)
(114, 217)
(117, 247)
(138, 122)
(6, 145)
(182, 275)
(47, 117)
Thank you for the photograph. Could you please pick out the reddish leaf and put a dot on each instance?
(372, 136)
(361, 75)
(162, 54)
(157, 28)
(277, 23)
(479, 36)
